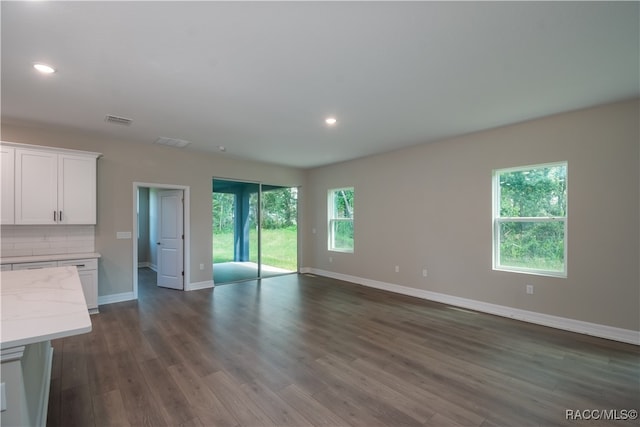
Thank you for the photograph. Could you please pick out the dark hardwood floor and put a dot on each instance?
(299, 350)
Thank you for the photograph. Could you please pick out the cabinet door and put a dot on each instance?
(76, 189)
(36, 197)
(7, 156)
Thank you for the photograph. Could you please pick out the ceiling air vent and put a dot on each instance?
(172, 142)
(118, 120)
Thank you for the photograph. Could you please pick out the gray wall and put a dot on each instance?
(153, 227)
(124, 162)
(143, 226)
(429, 206)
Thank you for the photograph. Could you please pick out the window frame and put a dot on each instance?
(497, 220)
(332, 220)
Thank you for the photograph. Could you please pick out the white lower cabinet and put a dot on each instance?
(87, 270)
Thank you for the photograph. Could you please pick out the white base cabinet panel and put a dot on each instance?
(26, 376)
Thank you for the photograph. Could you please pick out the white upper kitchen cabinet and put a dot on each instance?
(7, 157)
(55, 186)
(36, 196)
(76, 189)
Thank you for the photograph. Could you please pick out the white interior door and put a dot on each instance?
(170, 239)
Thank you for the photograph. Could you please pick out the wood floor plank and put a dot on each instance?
(204, 402)
(280, 412)
(300, 350)
(213, 417)
(55, 403)
(375, 405)
(140, 404)
(77, 409)
(371, 386)
(229, 391)
(174, 405)
(347, 409)
(109, 410)
(74, 363)
(310, 408)
(459, 410)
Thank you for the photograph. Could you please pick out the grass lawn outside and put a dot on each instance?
(279, 247)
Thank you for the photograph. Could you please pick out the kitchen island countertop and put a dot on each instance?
(41, 305)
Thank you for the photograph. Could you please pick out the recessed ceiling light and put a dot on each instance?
(44, 68)
(331, 121)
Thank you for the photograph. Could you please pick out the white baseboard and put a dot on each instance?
(200, 285)
(111, 299)
(602, 331)
(128, 296)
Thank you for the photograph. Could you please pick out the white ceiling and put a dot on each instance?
(260, 77)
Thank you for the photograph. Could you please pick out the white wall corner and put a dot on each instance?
(112, 299)
(200, 285)
(571, 325)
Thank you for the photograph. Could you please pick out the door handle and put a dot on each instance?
(158, 243)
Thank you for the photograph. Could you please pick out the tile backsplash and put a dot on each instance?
(28, 240)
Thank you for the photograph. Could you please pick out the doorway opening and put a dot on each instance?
(255, 230)
(161, 234)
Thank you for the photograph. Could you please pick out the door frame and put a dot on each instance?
(186, 227)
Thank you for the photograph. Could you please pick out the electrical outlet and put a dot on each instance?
(530, 289)
(201, 266)
(330, 259)
(424, 272)
(397, 269)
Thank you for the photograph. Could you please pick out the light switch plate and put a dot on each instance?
(123, 235)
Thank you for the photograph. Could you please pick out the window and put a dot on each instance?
(340, 205)
(530, 219)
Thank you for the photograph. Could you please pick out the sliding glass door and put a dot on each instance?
(279, 230)
(254, 230)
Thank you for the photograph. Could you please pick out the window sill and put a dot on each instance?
(342, 251)
(557, 274)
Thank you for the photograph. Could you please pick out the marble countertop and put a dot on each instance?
(41, 305)
(44, 258)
